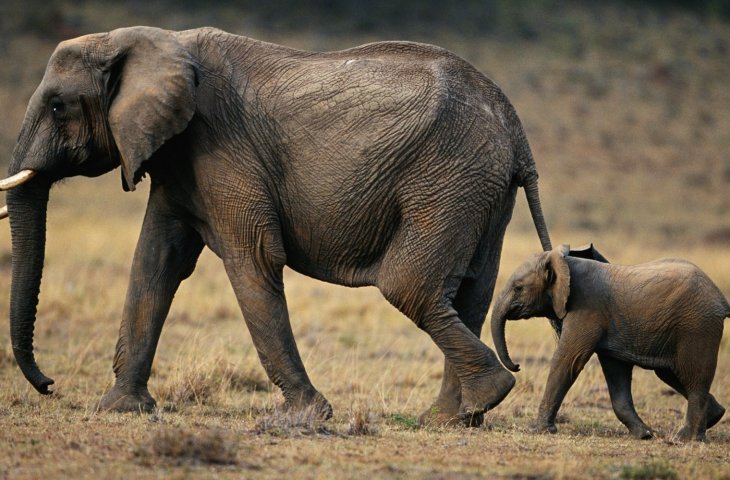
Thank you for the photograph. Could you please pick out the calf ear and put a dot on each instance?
(588, 251)
(558, 279)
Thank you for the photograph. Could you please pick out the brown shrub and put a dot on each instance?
(184, 447)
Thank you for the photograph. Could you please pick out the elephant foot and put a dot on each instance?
(715, 412)
(685, 434)
(484, 392)
(312, 403)
(544, 427)
(119, 401)
(641, 432)
(435, 416)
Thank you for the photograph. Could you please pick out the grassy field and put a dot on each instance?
(219, 415)
(627, 115)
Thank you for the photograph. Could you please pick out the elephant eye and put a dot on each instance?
(58, 108)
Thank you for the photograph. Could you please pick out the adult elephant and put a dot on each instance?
(391, 164)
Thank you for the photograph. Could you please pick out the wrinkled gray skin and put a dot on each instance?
(391, 164)
(665, 316)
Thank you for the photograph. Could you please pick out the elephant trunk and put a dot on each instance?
(499, 318)
(27, 205)
(533, 200)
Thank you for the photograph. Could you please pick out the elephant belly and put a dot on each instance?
(647, 358)
(342, 247)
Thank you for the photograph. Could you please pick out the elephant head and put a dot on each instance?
(105, 100)
(538, 288)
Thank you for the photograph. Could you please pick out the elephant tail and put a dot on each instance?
(526, 175)
(533, 200)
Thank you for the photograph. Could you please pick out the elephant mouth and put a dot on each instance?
(517, 311)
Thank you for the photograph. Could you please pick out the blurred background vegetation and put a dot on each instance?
(626, 104)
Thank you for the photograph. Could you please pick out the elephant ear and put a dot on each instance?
(558, 279)
(588, 251)
(151, 85)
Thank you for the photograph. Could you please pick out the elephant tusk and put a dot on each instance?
(4, 212)
(16, 180)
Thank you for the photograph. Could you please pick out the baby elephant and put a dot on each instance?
(665, 316)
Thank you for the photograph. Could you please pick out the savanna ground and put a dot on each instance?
(628, 115)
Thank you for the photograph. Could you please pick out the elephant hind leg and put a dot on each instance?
(695, 369)
(692, 373)
(471, 303)
(419, 290)
(696, 419)
(715, 411)
(618, 379)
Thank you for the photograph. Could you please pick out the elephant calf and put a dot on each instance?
(665, 315)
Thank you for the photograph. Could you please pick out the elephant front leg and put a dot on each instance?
(618, 379)
(260, 293)
(574, 350)
(166, 254)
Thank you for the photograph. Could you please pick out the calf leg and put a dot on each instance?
(695, 369)
(715, 411)
(618, 379)
(576, 345)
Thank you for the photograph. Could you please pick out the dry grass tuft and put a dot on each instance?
(293, 423)
(195, 387)
(184, 447)
(648, 471)
(247, 381)
(361, 423)
(207, 381)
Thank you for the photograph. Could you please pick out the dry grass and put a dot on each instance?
(631, 141)
(376, 368)
(184, 447)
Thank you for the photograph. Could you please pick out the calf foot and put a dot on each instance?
(685, 434)
(119, 400)
(641, 432)
(542, 426)
(715, 412)
(484, 391)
